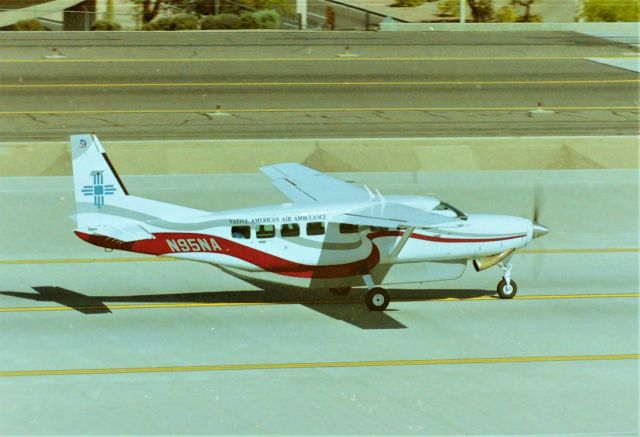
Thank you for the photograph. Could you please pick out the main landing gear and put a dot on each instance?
(507, 288)
(377, 298)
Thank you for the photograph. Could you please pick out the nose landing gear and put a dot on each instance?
(507, 288)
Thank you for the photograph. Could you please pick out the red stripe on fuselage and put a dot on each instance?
(264, 260)
(435, 239)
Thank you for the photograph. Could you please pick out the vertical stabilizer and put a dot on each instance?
(97, 185)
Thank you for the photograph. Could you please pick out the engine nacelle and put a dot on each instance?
(485, 262)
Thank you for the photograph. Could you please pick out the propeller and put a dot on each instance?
(538, 229)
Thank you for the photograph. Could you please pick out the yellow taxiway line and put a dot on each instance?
(321, 365)
(160, 259)
(336, 58)
(317, 110)
(334, 83)
(106, 306)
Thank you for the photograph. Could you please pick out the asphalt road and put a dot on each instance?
(95, 342)
(315, 84)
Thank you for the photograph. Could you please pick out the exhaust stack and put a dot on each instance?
(485, 262)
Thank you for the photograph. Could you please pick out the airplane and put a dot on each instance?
(332, 234)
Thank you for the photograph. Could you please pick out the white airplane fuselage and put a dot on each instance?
(334, 258)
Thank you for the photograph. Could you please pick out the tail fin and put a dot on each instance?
(96, 182)
(103, 204)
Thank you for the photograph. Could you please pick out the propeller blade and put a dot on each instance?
(536, 203)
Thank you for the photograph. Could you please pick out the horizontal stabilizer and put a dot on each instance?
(391, 215)
(125, 233)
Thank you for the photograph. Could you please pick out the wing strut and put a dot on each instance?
(405, 237)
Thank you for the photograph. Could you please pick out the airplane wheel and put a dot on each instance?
(507, 292)
(340, 291)
(377, 299)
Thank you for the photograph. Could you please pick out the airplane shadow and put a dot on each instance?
(349, 309)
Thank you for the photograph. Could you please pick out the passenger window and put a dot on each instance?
(290, 230)
(241, 232)
(378, 228)
(315, 228)
(346, 228)
(265, 231)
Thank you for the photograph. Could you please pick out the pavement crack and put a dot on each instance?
(382, 115)
(435, 115)
(36, 119)
(109, 122)
(241, 117)
(627, 115)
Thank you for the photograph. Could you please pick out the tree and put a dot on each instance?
(527, 16)
(110, 12)
(149, 12)
(482, 10)
(449, 7)
(611, 10)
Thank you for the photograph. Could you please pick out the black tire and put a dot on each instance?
(502, 289)
(377, 299)
(340, 291)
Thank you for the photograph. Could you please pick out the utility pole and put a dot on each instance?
(463, 11)
(301, 11)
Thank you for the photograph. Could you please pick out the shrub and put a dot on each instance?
(185, 22)
(174, 22)
(449, 7)
(267, 19)
(249, 21)
(533, 18)
(611, 10)
(507, 14)
(221, 22)
(407, 3)
(33, 24)
(162, 23)
(105, 25)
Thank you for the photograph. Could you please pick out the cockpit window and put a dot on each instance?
(443, 206)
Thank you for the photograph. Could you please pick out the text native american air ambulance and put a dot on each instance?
(333, 234)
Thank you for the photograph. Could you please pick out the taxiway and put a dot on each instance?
(130, 345)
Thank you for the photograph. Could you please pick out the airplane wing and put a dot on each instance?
(123, 233)
(304, 185)
(392, 215)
